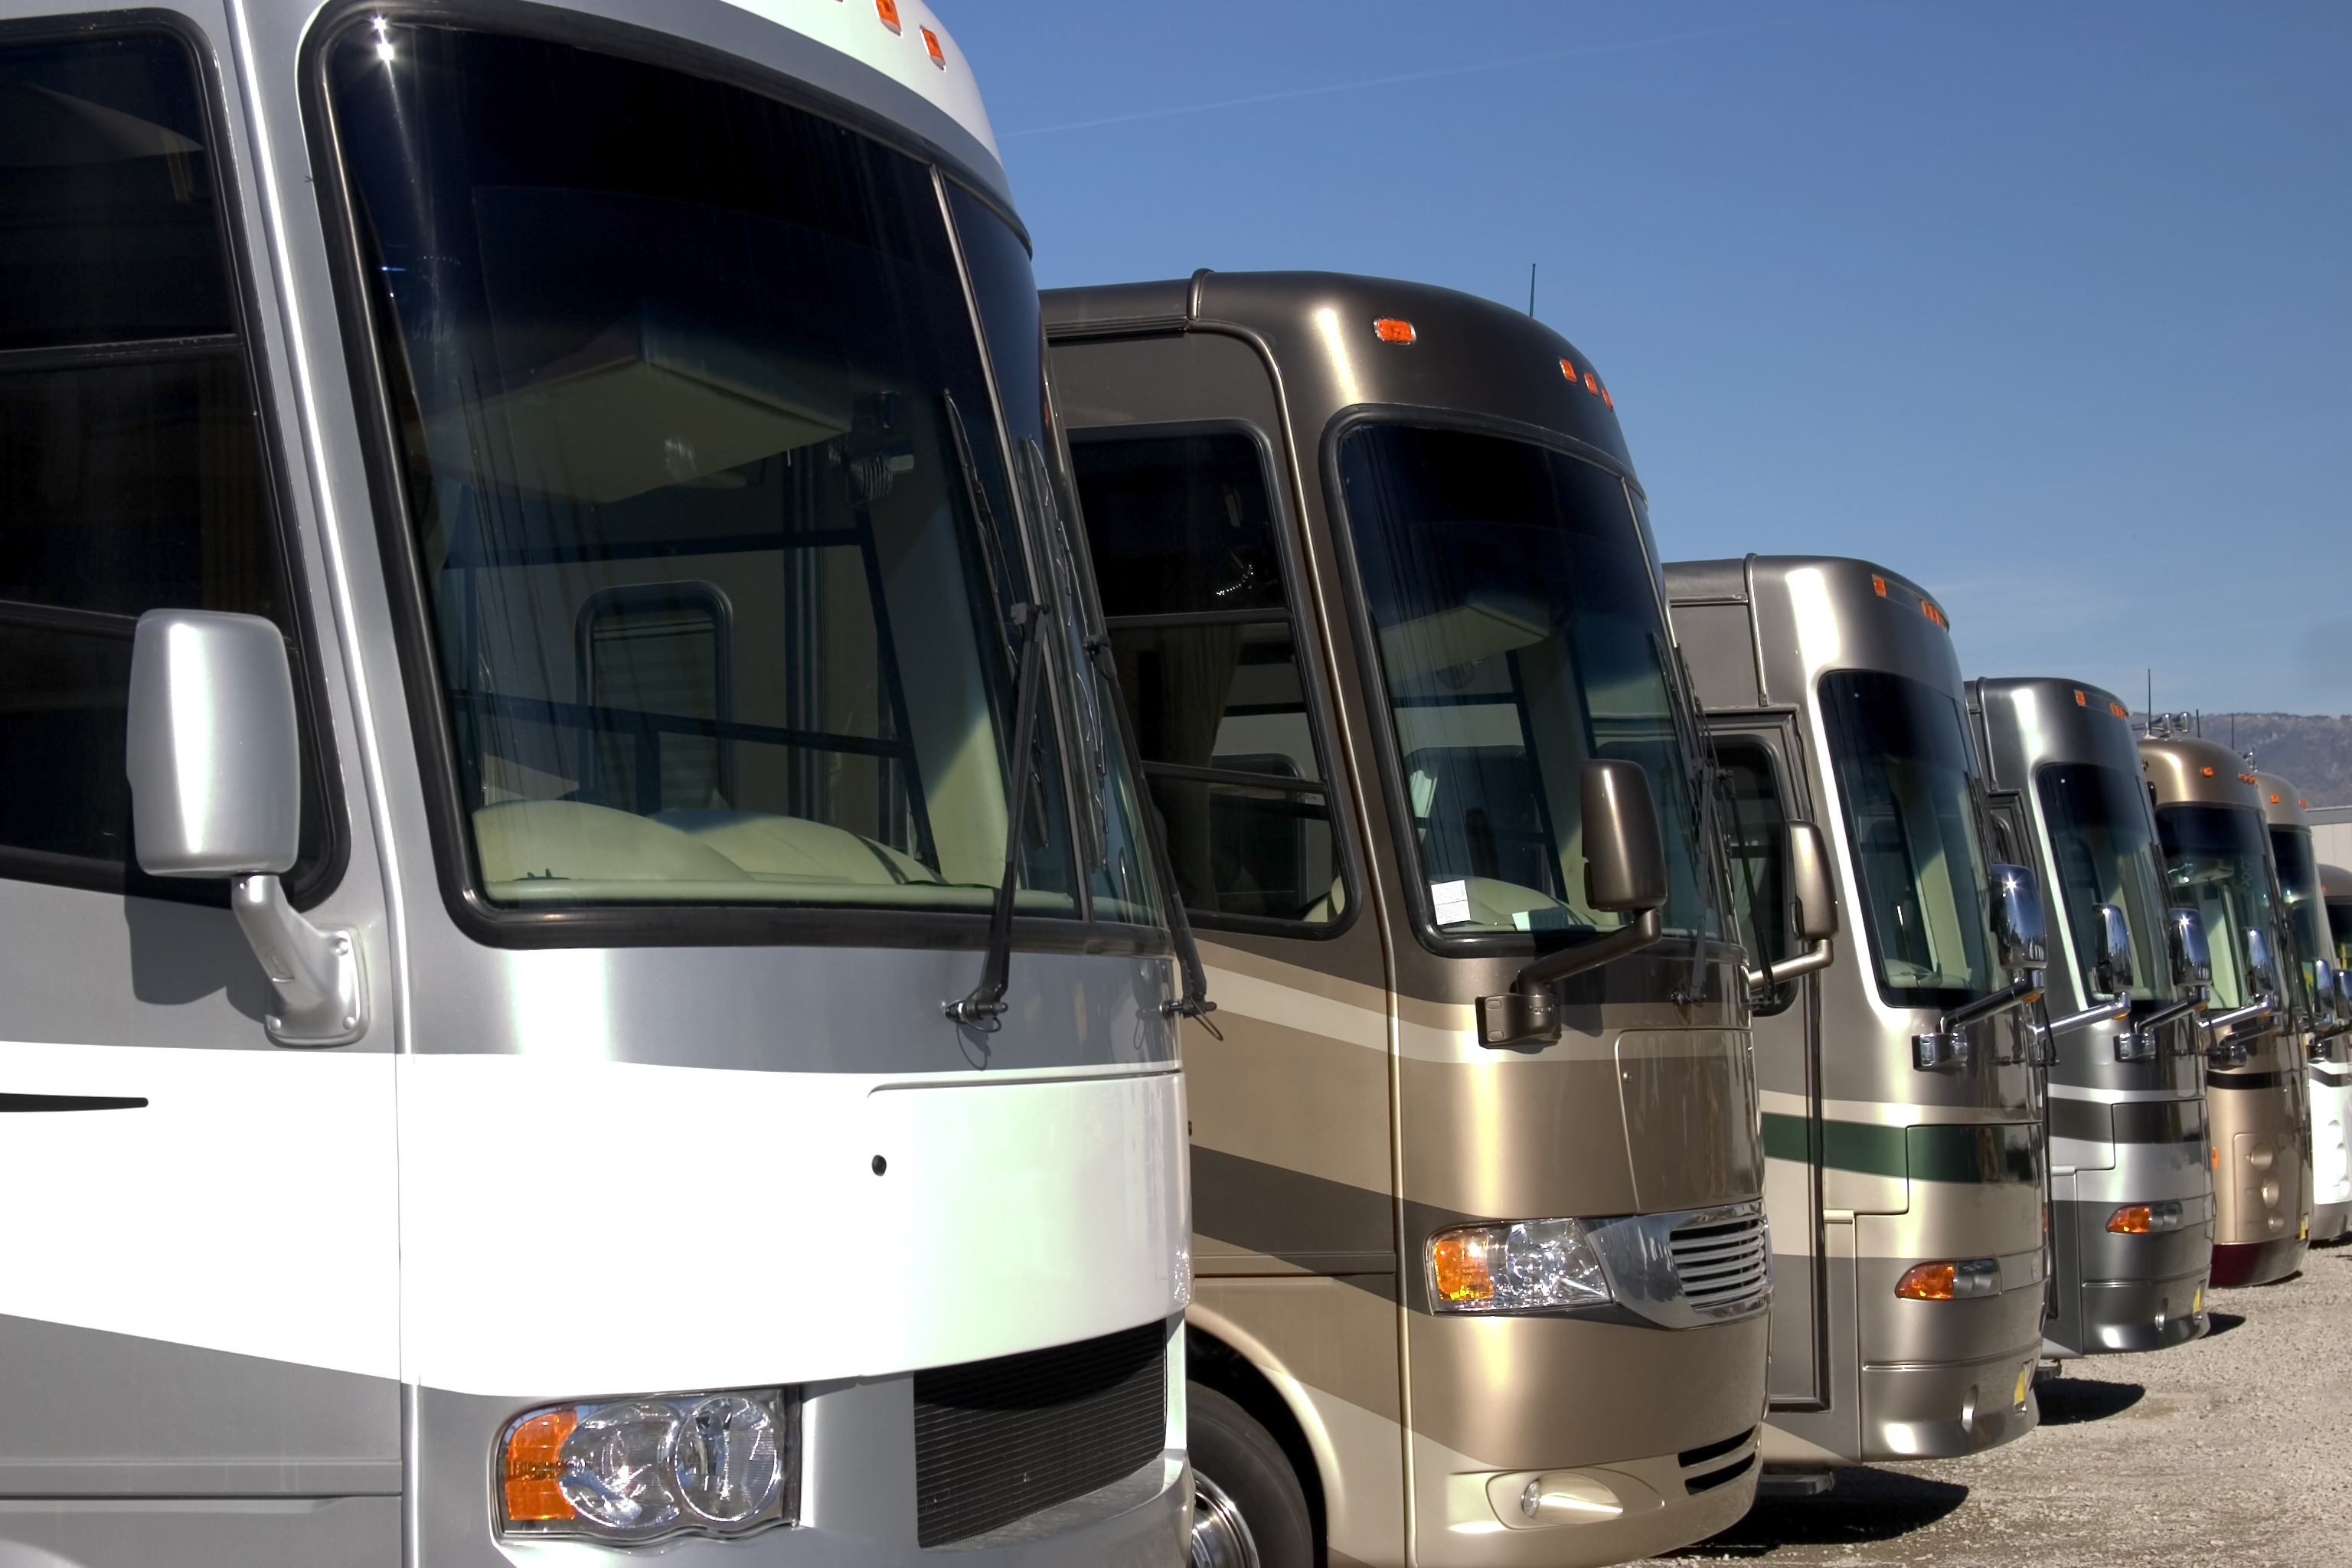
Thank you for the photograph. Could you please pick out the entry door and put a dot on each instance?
(1762, 796)
(198, 1298)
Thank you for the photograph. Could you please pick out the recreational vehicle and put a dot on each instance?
(2318, 1006)
(545, 689)
(1480, 1253)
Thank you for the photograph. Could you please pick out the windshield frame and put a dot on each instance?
(362, 328)
(1683, 716)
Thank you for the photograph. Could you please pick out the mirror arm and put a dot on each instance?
(1821, 956)
(1528, 1011)
(2119, 1006)
(1941, 1049)
(317, 976)
(2218, 1026)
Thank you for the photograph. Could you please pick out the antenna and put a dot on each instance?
(1531, 289)
(2151, 697)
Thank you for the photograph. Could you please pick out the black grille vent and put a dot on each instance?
(997, 1440)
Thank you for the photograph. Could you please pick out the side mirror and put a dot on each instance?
(2344, 994)
(2262, 972)
(2016, 902)
(2192, 961)
(212, 749)
(2111, 951)
(2323, 991)
(214, 754)
(1624, 857)
(1809, 884)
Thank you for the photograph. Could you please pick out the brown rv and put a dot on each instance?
(2217, 861)
(1479, 1241)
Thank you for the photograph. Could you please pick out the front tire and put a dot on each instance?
(1248, 1509)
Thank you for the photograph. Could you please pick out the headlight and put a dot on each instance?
(1533, 1265)
(642, 1469)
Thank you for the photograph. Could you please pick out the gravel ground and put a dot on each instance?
(2235, 1448)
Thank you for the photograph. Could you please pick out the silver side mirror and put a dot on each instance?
(2262, 972)
(2192, 960)
(2323, 991)
(2111, 951)
(1809, 884)
(2016, 902)
(1624, 856)
(214, 754)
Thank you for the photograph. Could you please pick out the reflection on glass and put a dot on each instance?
(2100, 843)
(2339, 924)
(1906, 782)
(1184, 548)
(713, 519)
(1518, 633)
(2216, 862)
(2298, 874)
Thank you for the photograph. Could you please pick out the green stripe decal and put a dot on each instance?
(1978, 1152)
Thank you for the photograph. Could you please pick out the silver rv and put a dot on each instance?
(2131, 1187)
(1903, 1137)
(546, 684)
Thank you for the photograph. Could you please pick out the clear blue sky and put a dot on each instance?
(2049, 306)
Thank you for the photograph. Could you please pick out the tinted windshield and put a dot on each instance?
(2103, 852)
(2215, 863)
(2339, 924)
(2298, 874)
(712, 510)
(1518, 635)
(1906, 782)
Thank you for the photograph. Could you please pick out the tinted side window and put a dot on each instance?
(1755, 837)
(1183, 534)
(132, 474)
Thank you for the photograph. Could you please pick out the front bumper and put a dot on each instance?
(1943, 1410)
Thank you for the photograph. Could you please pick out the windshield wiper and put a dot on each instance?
(984, 1003)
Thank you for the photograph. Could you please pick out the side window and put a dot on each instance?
(1755, 838)
(1183, 536)
(131, 472)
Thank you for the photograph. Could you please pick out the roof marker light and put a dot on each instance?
(1567, 369)
(1878, 584)
(2080, 701)
(2118, 709)
(2275, 800)
(1933, 614)
(889, 11)
(2249, 778)
(1607, 402)
(931, 43)
(1591, 383)
(2206, 772)
(1389, 329)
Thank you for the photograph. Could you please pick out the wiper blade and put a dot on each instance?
(992, 547)
(985, 1002)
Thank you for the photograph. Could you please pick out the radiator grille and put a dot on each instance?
(1724, 1267)
(997, 1440)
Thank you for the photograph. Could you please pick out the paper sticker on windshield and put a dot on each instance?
(1453, 902)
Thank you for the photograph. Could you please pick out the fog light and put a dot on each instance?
(2142, 1219)
(637, 1470)
(1950, 1281)
(1532, 1265)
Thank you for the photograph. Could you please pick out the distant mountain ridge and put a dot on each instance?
(2312, 751)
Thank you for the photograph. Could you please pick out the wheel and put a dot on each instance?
(1248, 1509)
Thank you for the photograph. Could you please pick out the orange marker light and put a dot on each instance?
(931, 43)
(1590, 383)
(2206, 772)
(2275, 800)
(1459, 1262)
(2248, 778)
(1878, 585)
(1926, 1283)
(2129, 1220)
(2118, 709)
(1607, 402)
(1934, 614)
(889, 11)
(1389, 329)
(1568, 370)
(2080, 701)
(533, 1463)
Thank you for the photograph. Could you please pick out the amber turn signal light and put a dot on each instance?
(1950, 1281)
(534, 1463)
(1459, 1263)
